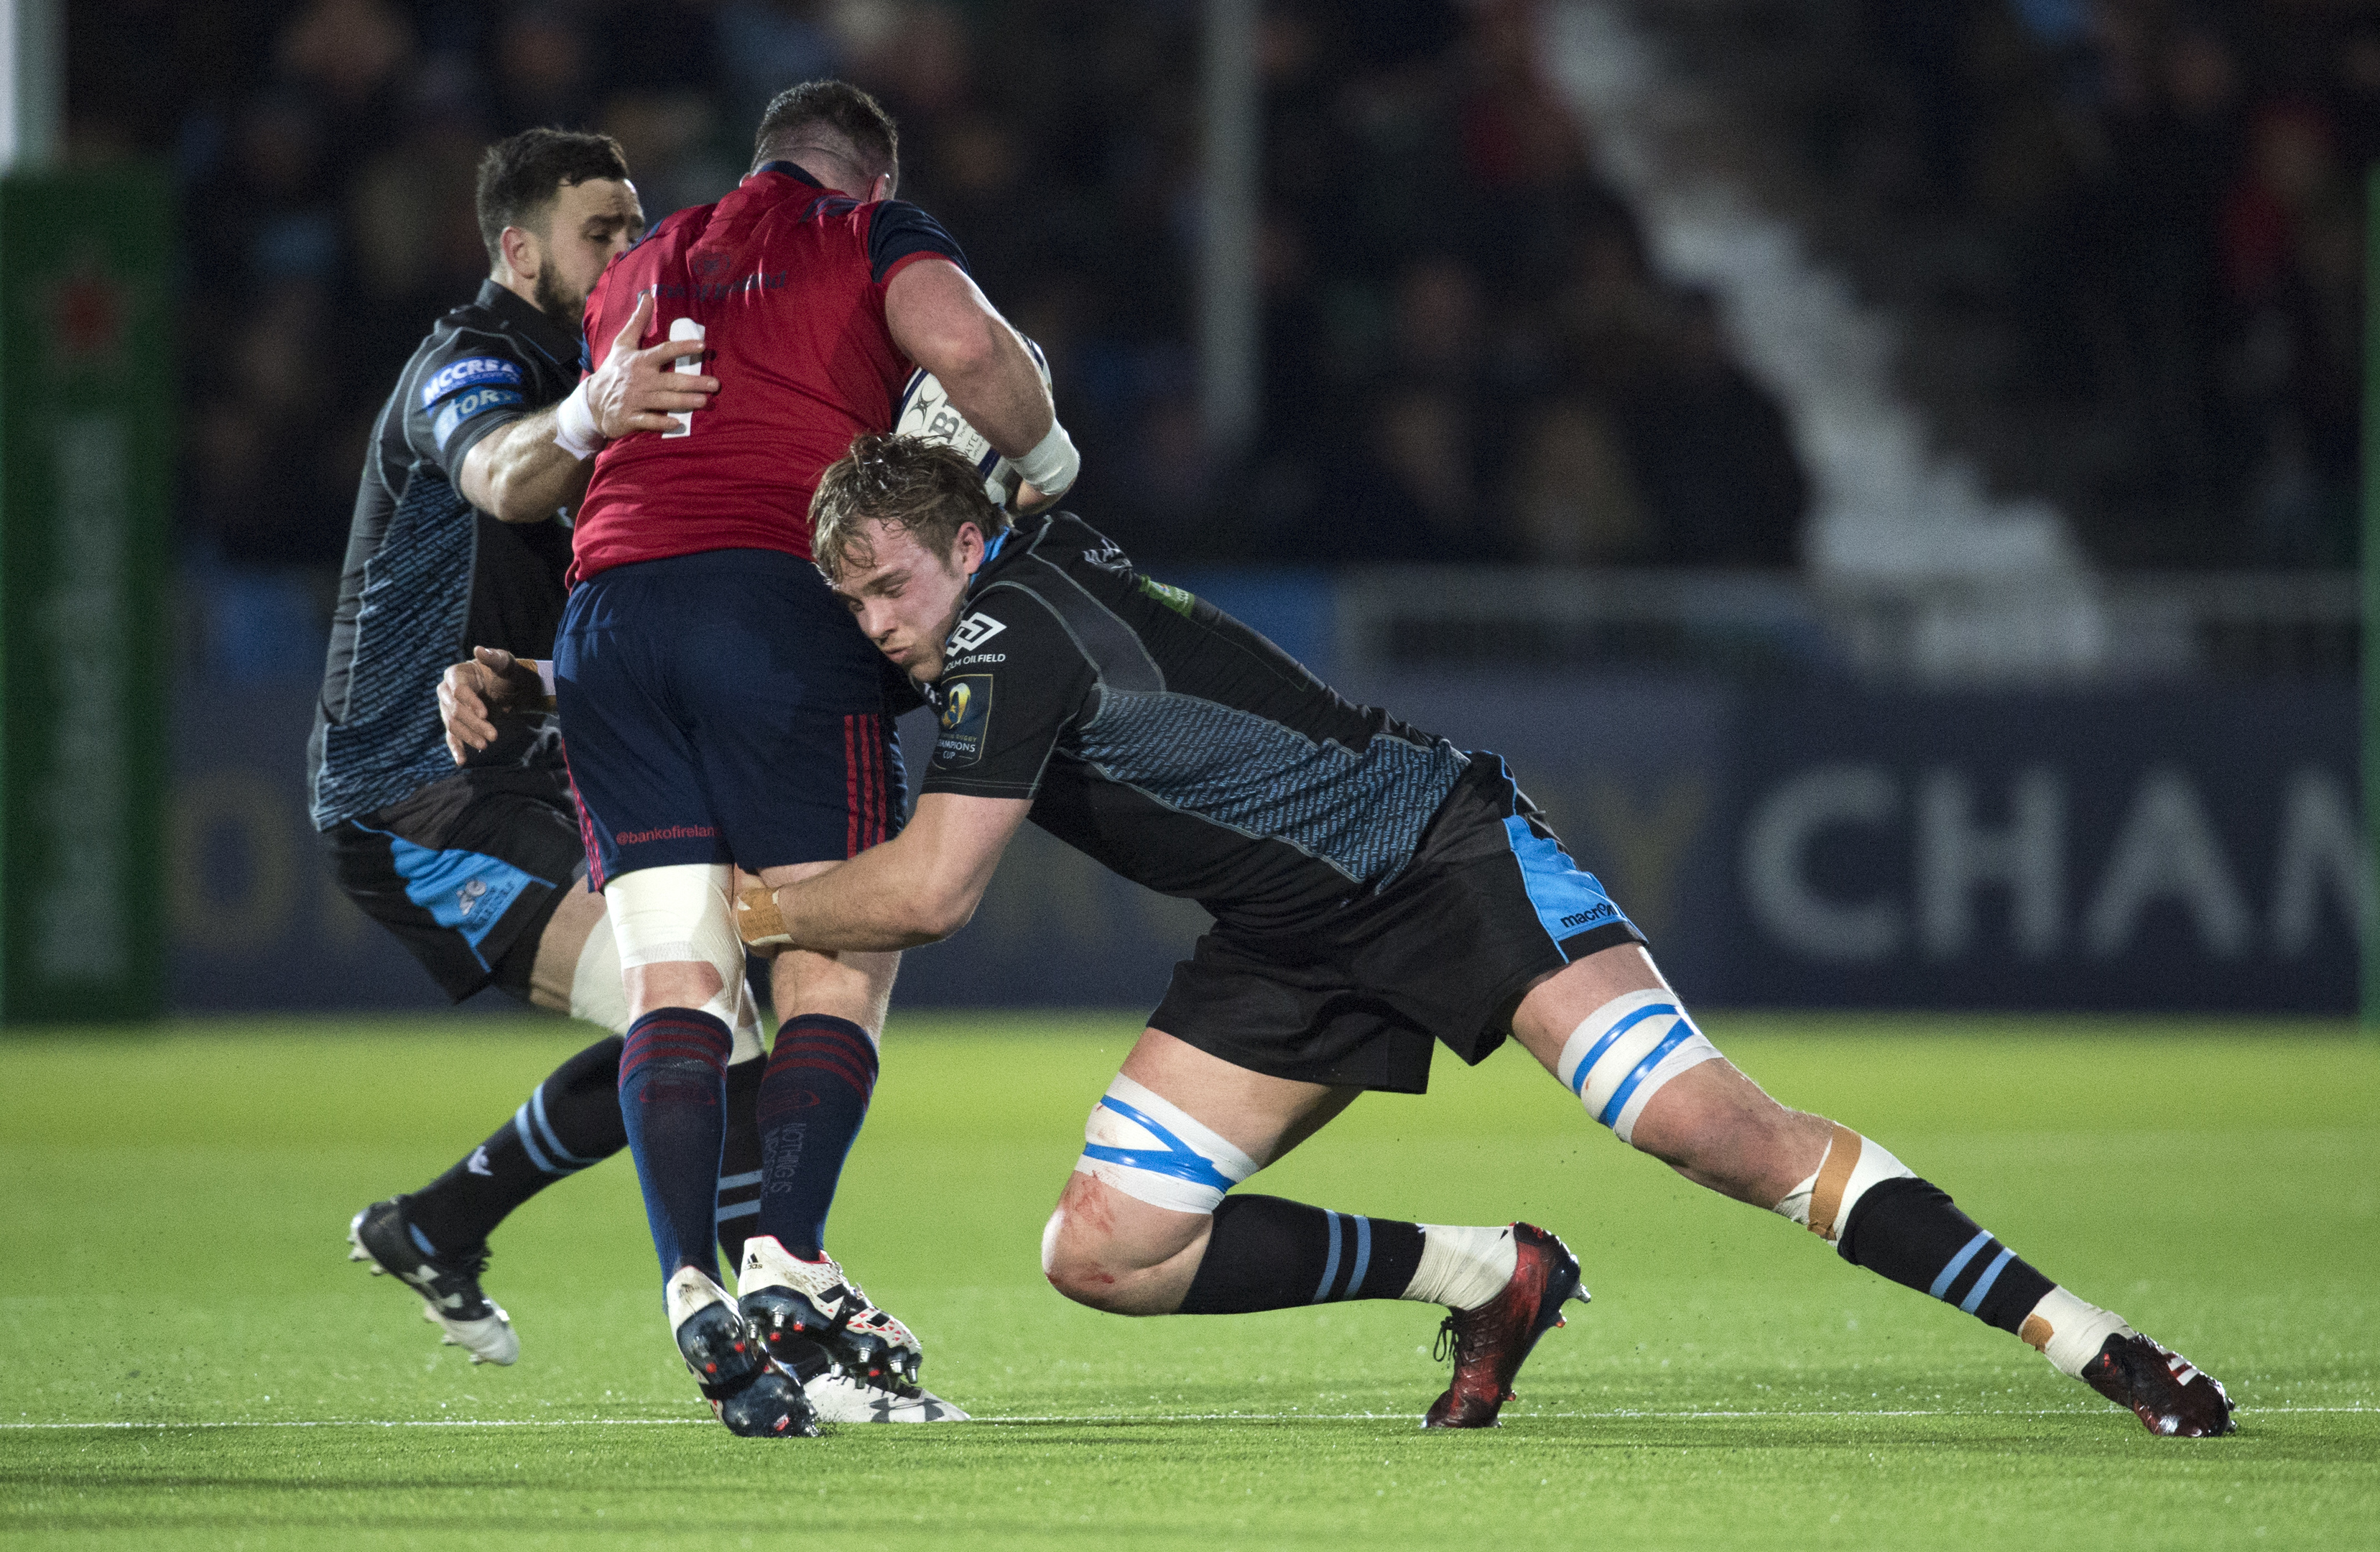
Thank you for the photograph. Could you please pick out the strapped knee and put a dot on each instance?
(679, 915)
(1624, 1052)
(1152, 1150)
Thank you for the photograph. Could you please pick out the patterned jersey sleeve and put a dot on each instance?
(1013, 682)
(476, 383)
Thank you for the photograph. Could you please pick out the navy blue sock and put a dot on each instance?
(673, 1096)
(812, 1101)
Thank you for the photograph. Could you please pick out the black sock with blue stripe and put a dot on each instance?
(1268, 1254)
(1908, 1229)
(739, 1161)
(570, 1121)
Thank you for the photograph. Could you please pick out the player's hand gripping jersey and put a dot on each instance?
(787, 281)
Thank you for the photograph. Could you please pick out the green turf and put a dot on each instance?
(172, 1210)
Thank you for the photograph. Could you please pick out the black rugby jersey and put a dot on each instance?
(1170, 742)
(428, 576)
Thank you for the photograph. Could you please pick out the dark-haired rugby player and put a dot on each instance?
(721, 710)
(1373, 888)
(461, 534)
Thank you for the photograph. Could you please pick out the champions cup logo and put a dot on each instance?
(955, 708)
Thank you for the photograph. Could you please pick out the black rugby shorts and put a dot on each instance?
(1489, 905)
(466, 872)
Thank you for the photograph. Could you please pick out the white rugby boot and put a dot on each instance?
(809, 1312)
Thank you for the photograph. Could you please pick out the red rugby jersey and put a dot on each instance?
(788, 280)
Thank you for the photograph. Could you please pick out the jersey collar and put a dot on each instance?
(789, 169)
(558, 347)
(991, 551)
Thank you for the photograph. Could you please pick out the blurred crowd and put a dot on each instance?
(2178, 185)
(1468, 354)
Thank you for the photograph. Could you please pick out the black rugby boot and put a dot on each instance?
(449, 1285)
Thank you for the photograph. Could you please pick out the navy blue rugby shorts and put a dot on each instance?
(724, 707)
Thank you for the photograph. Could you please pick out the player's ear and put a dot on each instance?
(519, 245)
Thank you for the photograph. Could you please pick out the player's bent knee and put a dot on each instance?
(1152, 1150)
(680, 914)
(1077, 1265)
(1094, 1260)
(1627, 1051)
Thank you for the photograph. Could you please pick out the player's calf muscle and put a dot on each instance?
(1719, 1129)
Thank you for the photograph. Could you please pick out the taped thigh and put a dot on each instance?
(1153, 1150)
(597, 992)
(679, 914)
(1624, 1052)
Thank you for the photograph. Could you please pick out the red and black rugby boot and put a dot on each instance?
(2164, 1390)
(1491, 1343)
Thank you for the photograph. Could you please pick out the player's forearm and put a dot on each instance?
(999, 391)
(943, 322)
(879, 901)
(520, 475)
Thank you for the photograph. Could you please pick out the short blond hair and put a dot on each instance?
(922, 488)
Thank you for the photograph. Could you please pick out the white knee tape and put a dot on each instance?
(597, 994)
(680, 915)
(1151, 1148)
(1850, 1167)
(1624, 1052)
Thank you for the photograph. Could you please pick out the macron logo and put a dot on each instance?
(973, 631)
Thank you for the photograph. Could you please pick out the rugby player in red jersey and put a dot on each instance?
(720, 707)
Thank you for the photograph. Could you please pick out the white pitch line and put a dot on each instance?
(1114, 1418)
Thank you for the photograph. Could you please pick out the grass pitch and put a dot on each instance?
(189, 1361)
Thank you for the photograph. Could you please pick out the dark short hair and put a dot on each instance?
(835, 106)
(923, 488)
(520, 175)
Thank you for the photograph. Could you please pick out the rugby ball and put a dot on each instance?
(924, 410)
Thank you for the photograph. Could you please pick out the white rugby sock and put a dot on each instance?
(2069, 1331)
(1463, 1268)
(1850, 1167)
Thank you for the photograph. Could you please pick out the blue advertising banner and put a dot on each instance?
(2182, 850)
(2176, 850)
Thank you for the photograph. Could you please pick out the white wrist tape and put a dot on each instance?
(1851, 1165)
(574, 425)
(1619, 1057)
(1152, 1150)
(1053, 464)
